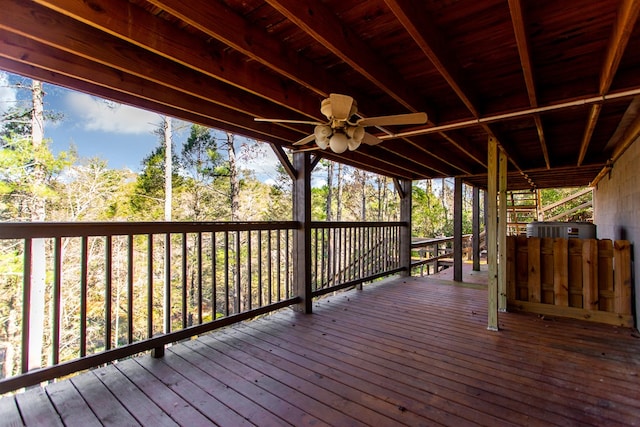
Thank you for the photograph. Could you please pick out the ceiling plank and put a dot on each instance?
(430, 41)
(319, 22)
(522, 41)
(156, 35)
(224, 25)
(133, 90)
(622, 29)
(58, 31)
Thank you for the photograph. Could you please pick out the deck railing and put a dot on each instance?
(112, 290)
(349, 253)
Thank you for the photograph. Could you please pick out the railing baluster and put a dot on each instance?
(149, 285)
(108, 291)
(130, 288)
(83, 294)
(56, 301)
(287, 265)
(249, 278)
(167, 283)
(279, 264)
(226, 273)
(214, 277)
(26, 305)
(199, 255)
(269, 271)
(185, 308)
(260, 268)
(238, 280)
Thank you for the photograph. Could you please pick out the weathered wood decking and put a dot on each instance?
(409, 351)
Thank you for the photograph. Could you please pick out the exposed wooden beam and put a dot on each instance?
(432, 44)
(317, 20)
(284, 160)
(80, 74)
(134, 25)
(223, 24)
(522, 41)
(48, 27)
(622, 29)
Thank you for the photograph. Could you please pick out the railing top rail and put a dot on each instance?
(352, 224)
(24, 230)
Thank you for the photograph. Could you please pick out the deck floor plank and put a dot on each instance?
(180, 410)
(70, 404)
(274, 399)
(406, 351)
(102, 402)
(37, 409)
(132, 398)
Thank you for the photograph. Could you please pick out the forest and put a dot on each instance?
(195, 179)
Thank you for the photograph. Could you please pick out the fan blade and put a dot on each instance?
(302, 122)
(305, 140)
(340, 106)
(370, 139)
(399, 119)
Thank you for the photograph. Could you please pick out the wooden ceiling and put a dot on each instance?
(554, 81)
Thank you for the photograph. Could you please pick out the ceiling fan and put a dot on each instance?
(340, 133)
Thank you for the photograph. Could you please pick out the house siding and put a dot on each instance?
(617, 208)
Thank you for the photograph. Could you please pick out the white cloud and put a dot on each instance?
(8, 96)
(107, 116)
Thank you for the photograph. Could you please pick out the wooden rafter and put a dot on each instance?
(158, 36)
(522, 41)
(319, 22)
(432, 44)
(622, 29)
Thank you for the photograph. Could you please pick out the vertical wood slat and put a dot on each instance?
(590, 274)
(108, 291)
(183, 291)
(237, 305)
(622, 276)
(199, 261)
(84, 259)
(149, 285)
(561, 272)
(260, 289)
(534, 284)
(605, 275)
(492, 234)
(575, 273)
(130, 262)
(249, 272)
(511, 267)
(269, 269)
(26, 304)
(56, 300)
(502, 230)
(226, 273)
(279, 264)
(167, 283)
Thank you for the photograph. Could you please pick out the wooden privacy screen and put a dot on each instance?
(579, 278)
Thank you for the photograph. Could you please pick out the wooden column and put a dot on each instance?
(492, 233)
(457, 230)
(502, 232)
(475, 207)
(302, 241)
(403, 187)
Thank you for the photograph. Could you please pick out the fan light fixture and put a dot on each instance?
(339, 142)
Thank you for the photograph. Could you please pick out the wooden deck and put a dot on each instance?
(409, 351)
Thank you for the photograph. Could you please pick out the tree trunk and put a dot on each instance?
(339, 196)
(38, 214)
(234, 193)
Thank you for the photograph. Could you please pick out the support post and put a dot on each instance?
(502, 232)
(492, 234)
(457, 230)
(475, 242)
(302, 241)
(404, 190)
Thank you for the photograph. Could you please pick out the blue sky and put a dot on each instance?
(120, 134)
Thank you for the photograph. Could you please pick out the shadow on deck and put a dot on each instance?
(406, 351)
